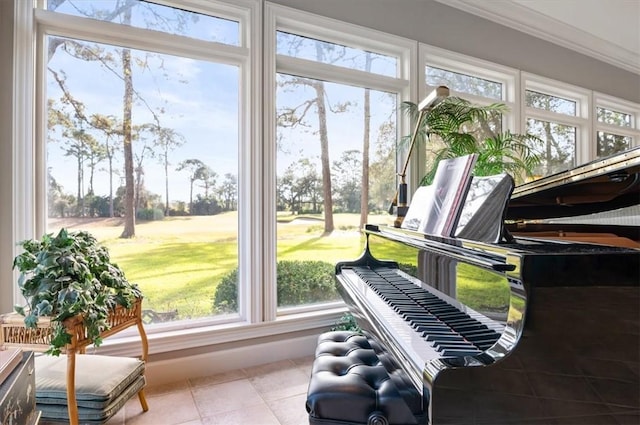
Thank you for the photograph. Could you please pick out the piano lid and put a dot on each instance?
(601, 185)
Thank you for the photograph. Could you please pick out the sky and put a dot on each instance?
(199, 100)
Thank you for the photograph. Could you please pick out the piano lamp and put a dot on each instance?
(428, 103)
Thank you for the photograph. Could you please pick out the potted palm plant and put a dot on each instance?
(456, 127)
(71, 275)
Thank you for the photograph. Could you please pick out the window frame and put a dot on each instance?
(585, 140)
(601, 100)
(474, 67)
(282, 18)
(30, 63)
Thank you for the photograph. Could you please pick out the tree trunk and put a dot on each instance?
(129, 216)
(191, 197)
(324, 158)
(364, 193)
(110, 156)
(166, 184)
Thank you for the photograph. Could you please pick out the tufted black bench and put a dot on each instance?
(350, 385)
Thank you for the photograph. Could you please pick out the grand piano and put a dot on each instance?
(541, 326)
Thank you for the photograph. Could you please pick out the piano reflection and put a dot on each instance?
(538, 324)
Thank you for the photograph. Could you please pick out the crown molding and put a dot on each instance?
(542, 26)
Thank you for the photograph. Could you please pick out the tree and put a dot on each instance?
(608, 143)
(383, 183)
(167, 139)
(295, 116)
(194, 167)
(348, 180)
(111, 128)
(559, 140)
(122, 11)
(228, 192)
(208, 178)
(129, 230)
(364, 194)
(299, 183)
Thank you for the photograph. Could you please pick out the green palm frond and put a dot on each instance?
(497, 152)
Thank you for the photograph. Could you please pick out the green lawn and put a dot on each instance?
(179, 261)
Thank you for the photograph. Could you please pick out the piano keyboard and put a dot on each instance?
(451, 332)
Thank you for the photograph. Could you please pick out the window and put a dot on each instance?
(142, 140)
(557, 114)
(617, 127)
(336, 109)
(479, 82)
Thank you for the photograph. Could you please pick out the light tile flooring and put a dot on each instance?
(271, 394)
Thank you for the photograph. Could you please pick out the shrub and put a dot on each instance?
(150, 214)
(225, 299)
(299, 282)
(347, 323)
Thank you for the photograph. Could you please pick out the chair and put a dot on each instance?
(84, 388)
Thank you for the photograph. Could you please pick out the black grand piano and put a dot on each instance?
(539, 327)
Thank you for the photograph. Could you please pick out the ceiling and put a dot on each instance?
(608, 30)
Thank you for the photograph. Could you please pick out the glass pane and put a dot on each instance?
(464, 83)
(182, 138)
(612, 117)
(550, 103)
(608, 143)
(307, 48)
(558, 149)
(323, 130)
(142, 14)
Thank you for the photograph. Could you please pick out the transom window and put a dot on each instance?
(156, 17)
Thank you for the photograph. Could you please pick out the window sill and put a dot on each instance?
(192, 339)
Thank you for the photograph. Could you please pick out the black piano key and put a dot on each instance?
(460, 353)
(444, 337)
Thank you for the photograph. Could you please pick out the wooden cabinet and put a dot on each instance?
(18, 394)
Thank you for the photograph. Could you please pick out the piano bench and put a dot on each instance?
(349, 385)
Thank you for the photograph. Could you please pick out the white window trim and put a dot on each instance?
(24, 199)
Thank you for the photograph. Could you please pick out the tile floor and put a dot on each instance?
(271, 394)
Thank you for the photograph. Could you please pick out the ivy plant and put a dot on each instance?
(66, 275)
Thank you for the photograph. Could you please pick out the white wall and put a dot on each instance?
(442, 26)
(6, 173)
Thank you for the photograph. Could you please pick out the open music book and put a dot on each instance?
(435, 209)
(483, 214)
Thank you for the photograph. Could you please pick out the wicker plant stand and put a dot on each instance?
(13, 333)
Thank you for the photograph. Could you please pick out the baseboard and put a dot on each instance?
(179, 368)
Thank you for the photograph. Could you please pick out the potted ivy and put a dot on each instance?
(66, 275)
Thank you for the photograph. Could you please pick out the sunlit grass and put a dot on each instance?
(179, 261)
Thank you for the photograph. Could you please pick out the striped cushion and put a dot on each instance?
(99, 379)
